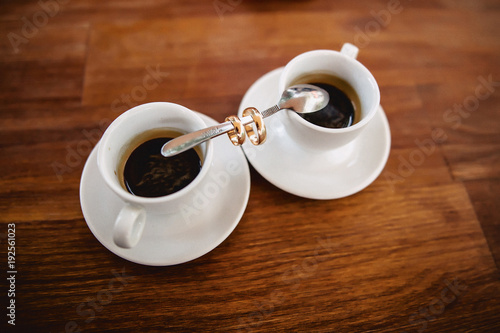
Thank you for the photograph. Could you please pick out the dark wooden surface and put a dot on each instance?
(418, 250)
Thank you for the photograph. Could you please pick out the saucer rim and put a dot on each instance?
(305, 192)
(128, 254)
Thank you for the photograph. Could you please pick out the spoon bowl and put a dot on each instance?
(304, 98)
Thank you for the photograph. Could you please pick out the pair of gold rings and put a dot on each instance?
(239, 133)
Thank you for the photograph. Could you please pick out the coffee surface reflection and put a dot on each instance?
(343, 109)
(147, 173)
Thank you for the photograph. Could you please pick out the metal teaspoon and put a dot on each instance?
(301, 98)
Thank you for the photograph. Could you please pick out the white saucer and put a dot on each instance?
(159, 245)
(312, 174)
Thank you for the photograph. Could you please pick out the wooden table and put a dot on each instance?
(418, 250)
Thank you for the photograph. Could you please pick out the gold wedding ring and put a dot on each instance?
(236, 135)
(260, 137)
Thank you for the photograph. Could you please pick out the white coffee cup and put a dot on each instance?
(342, 65)
(131, 220)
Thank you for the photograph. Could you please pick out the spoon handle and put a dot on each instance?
(190, 140)
(269, 112)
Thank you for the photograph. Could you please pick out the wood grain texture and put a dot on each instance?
(416, 251)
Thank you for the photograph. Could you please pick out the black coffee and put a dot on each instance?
(147, 173)
(343, 108)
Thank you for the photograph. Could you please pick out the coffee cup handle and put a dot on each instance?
(129, 225)
(349, 50)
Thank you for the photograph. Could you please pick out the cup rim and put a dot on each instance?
(370, 78)
(123, 193)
